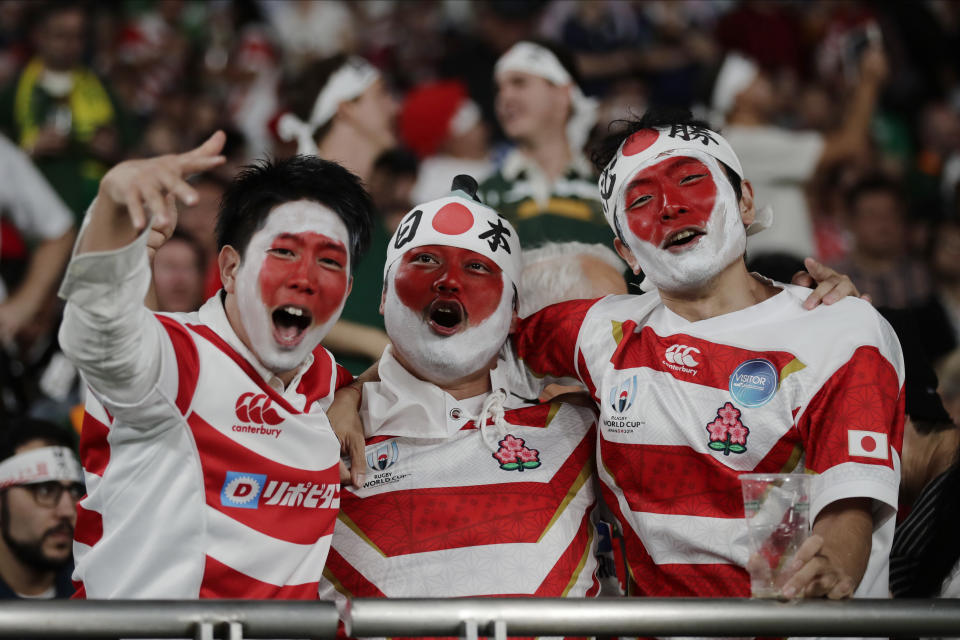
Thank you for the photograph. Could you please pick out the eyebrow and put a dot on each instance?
(329, 243)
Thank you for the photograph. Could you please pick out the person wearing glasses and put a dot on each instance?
(40, 484)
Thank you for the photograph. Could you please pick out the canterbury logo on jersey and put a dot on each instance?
(253, 490)
(679, 357)
(258, 409)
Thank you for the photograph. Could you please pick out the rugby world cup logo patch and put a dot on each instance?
(623, 395)
(383, 457)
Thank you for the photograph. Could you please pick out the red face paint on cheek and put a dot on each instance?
(306, 270)
(669, 196)
(433, 272)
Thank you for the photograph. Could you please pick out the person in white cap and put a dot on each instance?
(718, 372)
(545, 186)
(40, 484)
(780, 161)
(343, 112)
(471, 490)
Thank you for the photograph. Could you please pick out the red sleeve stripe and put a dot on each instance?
(188, 361)
(89, 529)
(863, 395)
(220, 581)
(94, 447)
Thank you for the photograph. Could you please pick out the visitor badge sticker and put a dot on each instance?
(753, 383)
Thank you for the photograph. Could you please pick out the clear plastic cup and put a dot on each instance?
(777, 510)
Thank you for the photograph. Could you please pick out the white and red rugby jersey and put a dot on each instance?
(215, 486)
(686, 407)
(473, 512)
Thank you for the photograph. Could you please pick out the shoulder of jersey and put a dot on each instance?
(626, 304)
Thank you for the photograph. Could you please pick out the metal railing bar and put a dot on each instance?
(373, 617)
(166, 618)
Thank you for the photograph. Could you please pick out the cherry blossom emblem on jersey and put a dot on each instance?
(514, 455)
(727, 433)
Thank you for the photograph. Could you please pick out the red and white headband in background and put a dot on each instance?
(40, 465)
(346, 83)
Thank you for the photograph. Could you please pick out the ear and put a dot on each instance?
(513, 322)
(229, 263)
(383, 297)
(748, 212)
(349, 287)
(627, 255)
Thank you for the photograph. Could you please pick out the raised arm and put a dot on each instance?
(106, 331)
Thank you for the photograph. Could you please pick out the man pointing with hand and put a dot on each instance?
(210, 466)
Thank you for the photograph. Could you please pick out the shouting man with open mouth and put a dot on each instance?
(210, 465)
(470, 490)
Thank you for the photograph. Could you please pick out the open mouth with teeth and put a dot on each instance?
(290, 323)
(446, 317)
(680, 240)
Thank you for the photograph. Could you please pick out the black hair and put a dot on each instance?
(872, 183)
(397, 162)
(619, 130)
(20, 431)
(260, 187)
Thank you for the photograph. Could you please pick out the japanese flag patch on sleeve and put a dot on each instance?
(868, 444)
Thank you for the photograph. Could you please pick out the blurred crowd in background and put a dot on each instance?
(846, 116)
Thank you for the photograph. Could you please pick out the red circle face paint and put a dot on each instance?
(640, 141)
(453, 219)
(306, 271)
(676, 194)
(450, 287)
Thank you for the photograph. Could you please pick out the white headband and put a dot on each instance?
(457, 221)
(346, 83)
(529, 57)
(40, 465)
(647, 146)
(735, 75)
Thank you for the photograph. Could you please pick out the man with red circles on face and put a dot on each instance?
(470, 490)
(210, 466)
(715, 373)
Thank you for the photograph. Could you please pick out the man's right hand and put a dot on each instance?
(137, 192)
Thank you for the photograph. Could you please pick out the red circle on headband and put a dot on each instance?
(453, 219)
(640, 141)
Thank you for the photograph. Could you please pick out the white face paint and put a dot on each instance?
(288, 291)
(724, 242)
(444, 359)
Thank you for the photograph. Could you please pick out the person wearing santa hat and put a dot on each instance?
(461, 473)
(441, 124)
